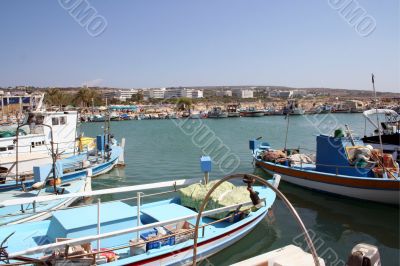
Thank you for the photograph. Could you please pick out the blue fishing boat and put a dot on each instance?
(343, 166)
(157, 233)
(39, 211)
(72, 175)
(74, 167)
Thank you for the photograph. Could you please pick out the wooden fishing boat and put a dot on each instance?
(335, 170)
(157, 233)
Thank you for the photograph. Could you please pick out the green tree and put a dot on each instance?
(55, 97)
(183, 104)
(137, 97)
(85, 97)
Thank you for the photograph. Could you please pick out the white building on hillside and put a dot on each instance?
(183, 92)
(197, 94)
(173, 93)
(154, 93)
(121, 95)
(299, 93)
(226, 93)
(286, 94)
(243, 93)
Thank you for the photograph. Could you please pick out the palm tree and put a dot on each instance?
(85, 97)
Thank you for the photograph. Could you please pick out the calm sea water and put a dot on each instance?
(158, 150)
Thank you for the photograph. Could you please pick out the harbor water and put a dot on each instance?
(161, 150)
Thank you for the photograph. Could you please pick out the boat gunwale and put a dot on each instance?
(329, 178)
(86, 239)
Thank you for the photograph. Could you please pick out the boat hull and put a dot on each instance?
(233, 114)
(218, 116)
(76, 186)
(211, 240)
(205, 249)
(252, 114)
(371, 189)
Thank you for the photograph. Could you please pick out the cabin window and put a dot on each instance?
(11, 147)
(54, 121)
(33, 144)
(63, 120)
(3, 149)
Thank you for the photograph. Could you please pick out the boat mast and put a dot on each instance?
(290, 109)
(376, 111)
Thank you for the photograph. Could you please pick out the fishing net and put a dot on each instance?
(226, 194)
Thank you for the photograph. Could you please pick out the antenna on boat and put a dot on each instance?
(376, 111)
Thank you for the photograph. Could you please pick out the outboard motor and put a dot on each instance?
(364, 255)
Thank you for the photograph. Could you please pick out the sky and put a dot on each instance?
(162, 43)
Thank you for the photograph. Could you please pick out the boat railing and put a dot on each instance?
(92, 238)
(369, 166)
(33, 209)
(189, 231)
(337, 167)
(136, 188)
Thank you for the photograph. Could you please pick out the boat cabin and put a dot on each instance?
(334, 155)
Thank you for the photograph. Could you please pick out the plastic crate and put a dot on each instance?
(157, 243)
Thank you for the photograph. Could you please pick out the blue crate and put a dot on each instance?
(157, 243)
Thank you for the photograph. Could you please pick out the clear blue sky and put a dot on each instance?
(151, 43)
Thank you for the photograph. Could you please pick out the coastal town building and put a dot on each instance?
(225, 93)
(287, 94)
(173, 93)
(299, 93)
(244, 94)
(154, 93)
(183, 92)
(17, 102)
(197, 94)
(121, 95)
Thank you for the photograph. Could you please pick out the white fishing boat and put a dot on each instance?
(388, 129)
(293, 108)
(32, 144)
(217, 112)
